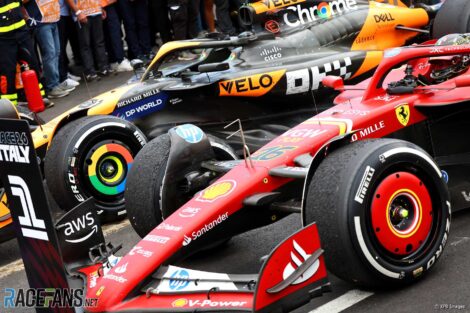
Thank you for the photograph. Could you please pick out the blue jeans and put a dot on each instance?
(47, 36)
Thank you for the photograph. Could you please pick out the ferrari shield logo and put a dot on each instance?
(403, 114)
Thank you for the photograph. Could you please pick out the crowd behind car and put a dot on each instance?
(68, 41)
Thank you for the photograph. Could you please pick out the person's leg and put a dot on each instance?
(193, 18)
(107, 40)
(63, 65)
(97, 43)
(209, 15)
(142, 23)
(85, 47)
(160, 13)
(126, 8)
(113, 30)
(46, 36)
(179, 18)
(224, 22)
(26, 53)
(72, 37)
(8, 70)
(153, 23)
(55, 62)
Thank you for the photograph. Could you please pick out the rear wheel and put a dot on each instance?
(91, 157)
(383, 213)
(452, 18)
(143, 191)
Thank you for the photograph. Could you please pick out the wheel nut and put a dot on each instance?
(403, 213)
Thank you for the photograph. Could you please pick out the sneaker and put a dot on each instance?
(187, 56)
(73, 77)
(48, 103)
(136, 60)
(137, 64)
(124, 66)
(66, 88)
(103, 73)
(114, 66)
(57, 92)
(72, 82)
(91, 77)
(144, 59)
(68, 85)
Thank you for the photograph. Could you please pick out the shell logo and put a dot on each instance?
(179, 303)
(217, 190)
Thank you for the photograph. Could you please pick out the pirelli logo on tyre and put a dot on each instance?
(250, 86)
(364, 185)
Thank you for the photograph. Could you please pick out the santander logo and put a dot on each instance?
(298, 259)
(186, 241)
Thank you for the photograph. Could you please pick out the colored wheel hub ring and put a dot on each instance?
(401, 213)
(111, 169)
(109, 157)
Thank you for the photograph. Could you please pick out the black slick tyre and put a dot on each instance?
(382, 210)
(452, 18)
(144, 185)
(91, 157)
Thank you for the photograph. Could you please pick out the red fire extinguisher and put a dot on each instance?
(31, 89)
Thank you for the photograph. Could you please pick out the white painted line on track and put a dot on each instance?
(17, 266)
(109, 229)
(461, 240)
(343, 302)
(11, 268)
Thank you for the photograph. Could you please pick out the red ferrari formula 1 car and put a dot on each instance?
(71, 253)
(382, 206)
(262, 77)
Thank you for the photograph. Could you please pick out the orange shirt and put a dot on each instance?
(50, 10)
(89, 7)
(105, 3)
(42, 11)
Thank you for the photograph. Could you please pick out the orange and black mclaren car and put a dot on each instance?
(265, 77)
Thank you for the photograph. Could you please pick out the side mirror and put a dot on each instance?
(335, 82)
(213, 67)
(462, 81)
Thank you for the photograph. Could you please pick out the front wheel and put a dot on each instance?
(89, 157)
(144, 188)
(383, 212)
